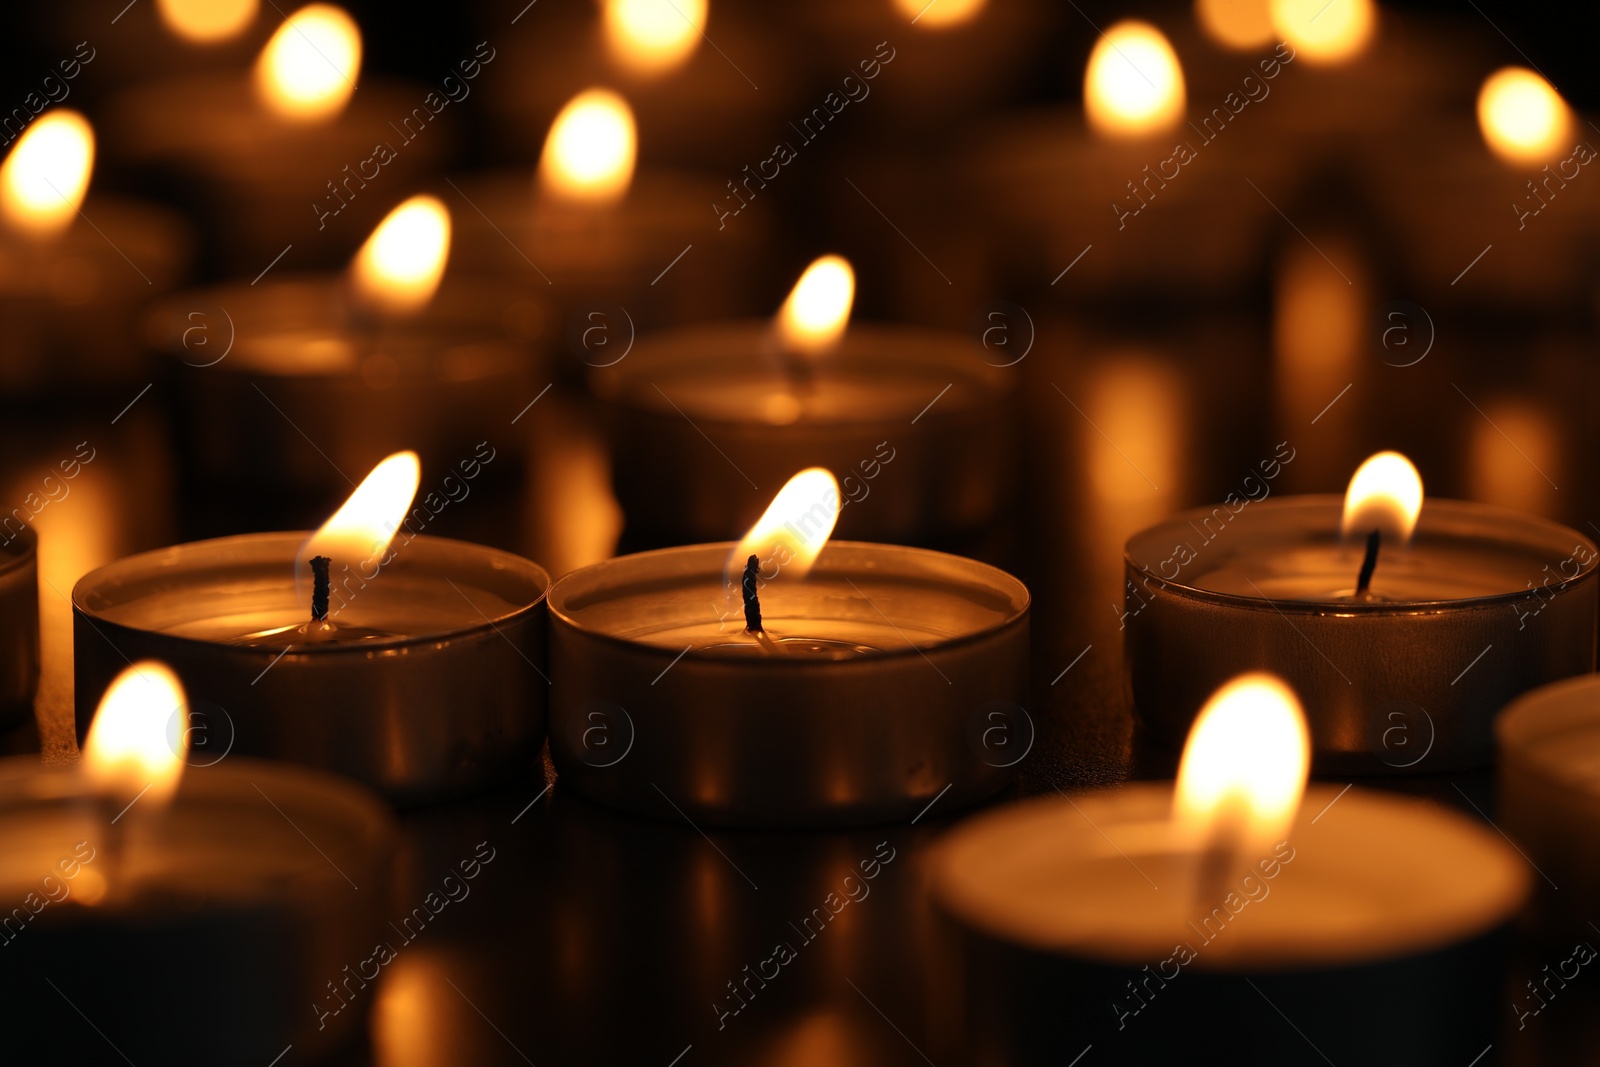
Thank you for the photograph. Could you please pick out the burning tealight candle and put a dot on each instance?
(1133, 85)
(208, 21)
(188, 879)
(1236, 890)
(1376, 608)
(782, 681)
(409, 662)
(711, 418)
(653, 37)
(62, 254)
(1327, 32)
(1522, 118)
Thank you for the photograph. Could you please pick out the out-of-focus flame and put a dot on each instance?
(815, 315)
(44, 179)
(1523, 119)
(1244, 766)
(653, 36)
(1133, 86)
(1385, 494)
(136, 744)
(207, 21)
(398, 269)
(359, 533)
(309, 68)
(1236, 24)
(793, 529)
(940, 14)
(589, 153)
(1325, 31)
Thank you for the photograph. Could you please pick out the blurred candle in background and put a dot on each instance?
(1133, 85)
(208, 22)
(1523, 119)
(653, 37)
(1237, 25)
(1326, 32)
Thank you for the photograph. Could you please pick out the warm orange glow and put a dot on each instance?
(1515, 454)
(139, 735)
(360, 531)
(1236, 24)
(398, 269)
(1133, 86)
(939, 14)
(1325, 31)
(1244, 766)
(653, 36)
(794, 527)
(815, 315)
(309, 68)
(589, 154)
(1385, 494)
(44, 179)
(1523, 119)
(207, 21)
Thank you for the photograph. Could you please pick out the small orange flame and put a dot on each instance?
(653, 36)
(359, 533)
(45, 178)
(940, 14)
(1133, 86)
(815, 315)
(1244, 765)
(589, 153)
(1385, 494)
(1239, 25)
(1523, 119)
(794, 528)
(1325, 31)
(207, 21)
(399, 268)
(308, 69)
(140, 733)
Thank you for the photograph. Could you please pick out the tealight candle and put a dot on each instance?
(709, 418)
(19, 627)
(1139, 916)
(74, 270)
(1482, 605)
(856, 695)
(246, 885)
(419, 671)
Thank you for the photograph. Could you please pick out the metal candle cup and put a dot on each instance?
(19, 627)
(1484, 605)
(449, 700)
(895, 676)
(685, 396)
(253, 888)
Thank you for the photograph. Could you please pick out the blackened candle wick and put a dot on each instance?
(1369, 564)
(319, 588)
(752, 602)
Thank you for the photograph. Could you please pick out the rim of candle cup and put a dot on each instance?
(19, 551)
(144, 563)
(1448, 515)
(750, 346)
(1528, 726)
(566, 589)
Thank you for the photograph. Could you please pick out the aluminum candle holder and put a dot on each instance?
(219, 899)
(445, 698)
(1484, 605)
(913, 422)
(19, 628)
(893, 677)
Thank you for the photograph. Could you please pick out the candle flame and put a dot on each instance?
(1523, 119)
(815, 315)
(399, 267)
(358, 534)
(589, 153)
(653, 36)
(136, 743)
(1244, 765)
(308, 69)
(207, 21)
(44, 179)
(1239, 25)
(794, 528)
(1133, 86)
(1385, 494)
(940, 14)
(1325, 31)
